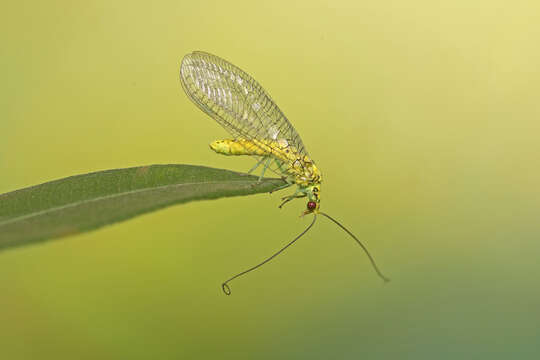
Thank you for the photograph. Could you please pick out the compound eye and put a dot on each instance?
(311, 205)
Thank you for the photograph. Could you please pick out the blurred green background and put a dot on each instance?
(422, 115)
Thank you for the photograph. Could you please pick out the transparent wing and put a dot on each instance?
(235, 100)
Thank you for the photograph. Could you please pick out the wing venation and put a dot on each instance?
(235, 100)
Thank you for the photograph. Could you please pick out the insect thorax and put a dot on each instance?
(304, 171)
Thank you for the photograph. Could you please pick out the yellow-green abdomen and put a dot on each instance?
(240, 147)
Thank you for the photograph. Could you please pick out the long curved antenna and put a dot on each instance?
(361, 245)
(227, 289)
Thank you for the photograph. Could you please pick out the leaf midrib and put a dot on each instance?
(112, 196)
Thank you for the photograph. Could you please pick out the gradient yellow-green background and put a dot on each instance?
(422, 115)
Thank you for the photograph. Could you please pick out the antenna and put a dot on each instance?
(227, 289)
(375, 267)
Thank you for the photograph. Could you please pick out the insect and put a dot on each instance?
(259, 129)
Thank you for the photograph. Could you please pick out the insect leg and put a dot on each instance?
(281, 187)
(266, 164)
(279, 164)
(291, 197)
(256, 165)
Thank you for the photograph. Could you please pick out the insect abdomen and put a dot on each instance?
(240, 147)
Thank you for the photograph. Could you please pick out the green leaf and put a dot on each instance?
(84, 202)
